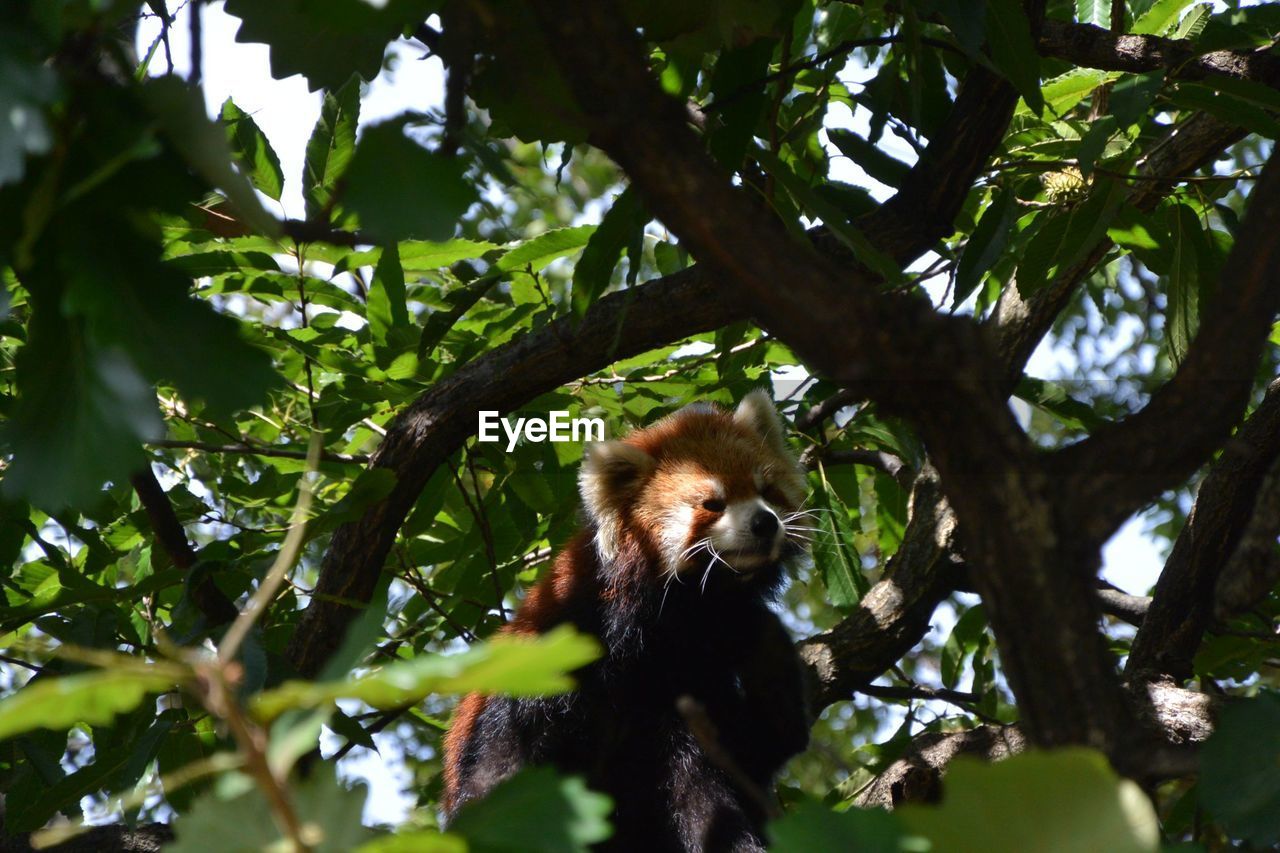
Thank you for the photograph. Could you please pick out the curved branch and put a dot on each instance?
(439, 422)
(1182, 602)
(1109, 475)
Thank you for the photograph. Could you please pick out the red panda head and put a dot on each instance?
(703, 489)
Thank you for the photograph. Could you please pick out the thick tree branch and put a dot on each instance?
(1088, 46)
(1182, 603)
(438, 423)
(1123, 465)
(655, 313)
(1183, 717)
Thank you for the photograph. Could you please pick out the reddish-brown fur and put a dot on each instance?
(612, 579)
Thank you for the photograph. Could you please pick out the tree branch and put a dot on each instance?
(1088, 46)
(1123, 465)
(1182, 602)
(216, 607)
(439, 422)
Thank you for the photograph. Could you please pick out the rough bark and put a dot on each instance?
(1182, 602)
(1088, 46)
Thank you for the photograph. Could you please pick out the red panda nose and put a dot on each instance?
(764, 524)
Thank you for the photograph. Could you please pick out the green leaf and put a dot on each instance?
(986, 244)
(326, 40)
(401, 191)
(460, 300)
(1067, 237)
(811, 827)
(879, 165)
(535, 811)
(1094, 143)
(1194, 22)
(330, 146)
(252, 149)
(1232, 108)
(962, 642)
(509, 664)
(836, 222)
(422, 255)
(243, 820)
(1053, 398)
(833, 553)
(26, 87)
(617, 229)
(1132, 94)
(420, 841)
(82, 412)
(1240, 770)
(1096, 12)
(1160, 18)
(1063, 92)
(386, 306)
(1068, 801)
(1013, 50)
(92, 697)
(739, 98)
(1183, 311)
(203, 144)
(535, 254)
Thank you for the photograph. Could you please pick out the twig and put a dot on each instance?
(482, 521)
(253, 450)
(283, 563)
(210, 600)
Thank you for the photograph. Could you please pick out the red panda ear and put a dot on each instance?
(612, 473)
(757, 412)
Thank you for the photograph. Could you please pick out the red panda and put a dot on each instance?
(688, 523)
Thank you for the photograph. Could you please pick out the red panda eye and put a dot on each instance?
(774, 495)
(713, 505)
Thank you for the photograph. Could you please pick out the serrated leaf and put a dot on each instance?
(536, 253)
(535, 811)
(833, 553)
(253, 150)
(244, 822)
(326, 40)
(810, 827)
(92, 697)
(330, 146)
(594, 269)
(1096, 12)
(400, 190)
(204, 146)
(1068, 801)
(1160, 18)
(386, 308)
(510, 664)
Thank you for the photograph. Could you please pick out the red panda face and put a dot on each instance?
(705, 489)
